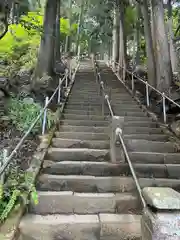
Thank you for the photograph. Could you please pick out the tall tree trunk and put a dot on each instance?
(163, 61)
(171, 36)
(45, 63)
(149, 45)
(68, 37)
(58, 45)
(79, 28)
(115, 46)
(122, 41)
(138, 36)
(12, 13)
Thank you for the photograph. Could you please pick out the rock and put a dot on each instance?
(25, 90)
(23, 77)
(162, 198)
(140, 71)
(59, 68)
(175, 127)
(4, 83)
(2, 95)
(28, 100)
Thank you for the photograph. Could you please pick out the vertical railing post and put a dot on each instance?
(59, 91)
(147, 94)
(164, 107)
(132, 82)
(45, 115)
(101, 85)
(66, 77)
(102, 96)
(3, 160)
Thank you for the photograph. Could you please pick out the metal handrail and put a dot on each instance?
(164, 96)
(119, 134)
(105, 95)
(14, 152)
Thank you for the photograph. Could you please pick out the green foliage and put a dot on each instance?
(18, 186)
(24, 112)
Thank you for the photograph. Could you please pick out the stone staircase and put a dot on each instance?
(82, 195)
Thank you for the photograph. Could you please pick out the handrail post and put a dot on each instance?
(45, 115)
(164, 107)
(147, 94)
(102, 96)
(132, 82)
(59, 91)
(116, 122)
(66, 77)
(4, 157)
(101, 85)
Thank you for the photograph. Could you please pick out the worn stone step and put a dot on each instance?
(84, 168)
(155, 157)
(82, 135)
(78, 183)
(85, 117)
(98, 107)
(135, 123)
(87, 111)
(170, 171)
(120, 227)
(78, 154)
(98, 101)
(128, 122)
(82, 105)
(141, 130)
(139, 145)
(68, 128)
(151, 137)
(100, 117)
(81, 227)
(84, 203)
(86, 122)
(79, 143)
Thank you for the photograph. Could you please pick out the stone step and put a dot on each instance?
(74, 103)
(139, 145)
(86, 122)
(98, 115)
(84, 203)
(84, 117)
(154, 157)
(79, 143)
(84, 168)
(98, 101)
(78, 183)
(128, 122)
(81, 227)
(142, 170)
(151, 137)
(78, 154)
(141, 130)
(85, 129)
(90, 107)
(82, 135)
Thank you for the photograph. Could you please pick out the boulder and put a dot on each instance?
(140, 71)
(23, 77)
(4, 84)
(175, 127)
(2, 95)
(59, 68)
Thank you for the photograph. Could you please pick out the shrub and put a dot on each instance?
(24, 112)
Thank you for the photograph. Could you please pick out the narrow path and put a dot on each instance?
(82, 195)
